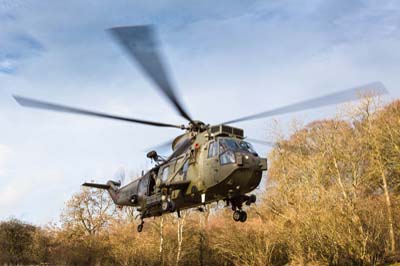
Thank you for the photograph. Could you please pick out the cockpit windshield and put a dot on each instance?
(235, 145)
(227, 145)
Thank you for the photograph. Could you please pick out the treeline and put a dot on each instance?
(332, 198)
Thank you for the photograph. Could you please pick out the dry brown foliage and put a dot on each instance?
(332, 198)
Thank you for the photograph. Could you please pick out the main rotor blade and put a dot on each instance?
(262, 142)
(377, 88)
(32, 103)
(140, 44)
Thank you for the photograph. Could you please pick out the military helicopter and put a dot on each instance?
(209, 162)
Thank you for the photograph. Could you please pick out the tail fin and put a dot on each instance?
(111, 187)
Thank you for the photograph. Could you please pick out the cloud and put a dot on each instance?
(8, 65)
(15, 48)
(28, 42)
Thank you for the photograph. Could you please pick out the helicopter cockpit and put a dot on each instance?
(228, 141)
(227, 148)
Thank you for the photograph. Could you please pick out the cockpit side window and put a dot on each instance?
(246, 146)
(227, 149)
(213, 149)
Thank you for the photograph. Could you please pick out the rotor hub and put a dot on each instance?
(197, 125)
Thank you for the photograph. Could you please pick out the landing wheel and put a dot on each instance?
(239, 215)
(140, 227)
(243, 216)
(236, 216)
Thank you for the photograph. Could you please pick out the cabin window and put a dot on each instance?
(165, 172)
(185, 169)
(172, 166)
(143, 184)
(212, 149)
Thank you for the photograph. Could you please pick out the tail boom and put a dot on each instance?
(96, 185)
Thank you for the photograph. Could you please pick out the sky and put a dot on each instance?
(227, 59)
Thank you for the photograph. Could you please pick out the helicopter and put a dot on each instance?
(209, 163)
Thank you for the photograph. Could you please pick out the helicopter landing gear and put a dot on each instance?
(168, 206)
(239, 215)
(236, 216)
(251, 199)
(237, 202)
(243, 216)
(140, 226)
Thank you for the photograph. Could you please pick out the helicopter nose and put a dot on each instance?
(248, 173)
(251, 161)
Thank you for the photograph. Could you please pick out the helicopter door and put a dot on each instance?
(212, 164)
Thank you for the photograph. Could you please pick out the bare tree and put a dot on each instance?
(89, 210)
(180, 225)
(162, 240)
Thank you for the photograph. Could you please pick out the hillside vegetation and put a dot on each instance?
(332, 198)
